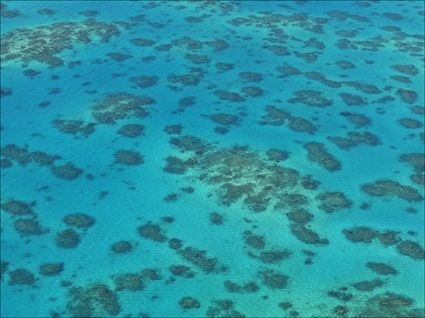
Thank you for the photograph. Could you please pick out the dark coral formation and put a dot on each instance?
(275, 116)
(216, 218)
(74, 127)
(345, 65)
(129, 281)
(341, 294)
(251, 76)
(253, 240)
(278, 117)
(189, 79)
(417, 162)
(152, 232)
(229, 96)
(273, 279)
(121, 247)
(272, 256)
(382, 268)
(4, 266)
(23, 156)
(382, 188)
(355, 138)
(224, 67)
(51, 269)
(128, 157)
(189, 303)
(300, 216)
(5, 91)
(252, 91)
(389, 304)
(16, 207)
(245, 288)
(368, 285)
(66, 171)
(410, 123)
(307, 235)
(287, 70)
(197, 58)
(301, 124)
(132, 130)
(79, 220)
(407, 96)
(142, 42)
(411, 249)
(97, 300)
(173, 129)
(67, 239)
(178, 166)
(363, 234)
(407, 69)
(252, 187)
(21, 276)
(360, 234)
(317, 153)
(118, 106)
(200, 259)
(223, 308)
(352, 100)
(145, 81)
(277, 154)
(359, 120)
(228, 169)
(333, 201)
(44, 43)
(182, 271)
(310, 98)
(5, 12)
(28, 227)
(224, 119)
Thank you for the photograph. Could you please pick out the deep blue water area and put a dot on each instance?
(212, 159)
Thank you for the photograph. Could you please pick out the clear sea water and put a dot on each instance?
(122, 189)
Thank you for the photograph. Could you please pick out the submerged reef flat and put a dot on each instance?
(212, 159)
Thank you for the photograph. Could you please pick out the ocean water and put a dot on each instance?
(212, 159)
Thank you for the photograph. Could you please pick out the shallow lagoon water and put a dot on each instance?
(212, 159)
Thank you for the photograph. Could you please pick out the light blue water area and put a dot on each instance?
(251, 158)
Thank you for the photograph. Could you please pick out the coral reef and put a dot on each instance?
(382, 188)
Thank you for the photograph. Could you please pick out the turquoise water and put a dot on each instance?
(212, 159)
